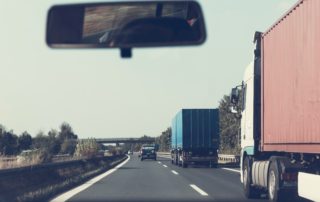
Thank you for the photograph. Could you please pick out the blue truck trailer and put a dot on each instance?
(195, 137)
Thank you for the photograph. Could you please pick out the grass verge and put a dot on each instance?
(44, 186)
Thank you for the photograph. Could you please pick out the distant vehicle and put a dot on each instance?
(107, 153)
(280, 141)
(100, 153)
(155, 146)
(195, 137)
(148, 152)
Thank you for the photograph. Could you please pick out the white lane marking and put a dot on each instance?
(159, 162)
(165, 166)
(233, 170)
(200, 191)
(174, 172)
(67, 195)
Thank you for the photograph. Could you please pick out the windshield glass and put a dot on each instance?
(74, 124)
(147, 150)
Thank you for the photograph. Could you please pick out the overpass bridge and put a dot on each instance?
(125, 140)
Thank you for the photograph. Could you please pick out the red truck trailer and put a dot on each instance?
(280, 123)
(291, 81)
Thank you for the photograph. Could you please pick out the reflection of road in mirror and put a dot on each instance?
(104, 37)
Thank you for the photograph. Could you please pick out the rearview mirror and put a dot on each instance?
(234, 97)
(126, 25)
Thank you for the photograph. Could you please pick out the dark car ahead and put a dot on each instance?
(148, 153)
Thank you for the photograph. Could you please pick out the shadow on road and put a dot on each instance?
(128, 168)
(162, 159)
(229, 165)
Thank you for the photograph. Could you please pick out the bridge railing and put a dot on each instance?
(125, 140)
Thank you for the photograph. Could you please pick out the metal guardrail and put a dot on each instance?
(7, 159)
(51, 177)
(222, 157)
(10, 162)
(55, 165)
(125, 140)
(164, 153)
(229, 158)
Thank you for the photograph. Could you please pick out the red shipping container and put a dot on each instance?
(291, 81)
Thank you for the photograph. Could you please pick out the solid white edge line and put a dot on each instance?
(200, 191)
(174, 172)
(67, 195)
(233, 170)
(165, 166)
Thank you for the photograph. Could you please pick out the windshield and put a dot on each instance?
(75, 124)
(147, 150)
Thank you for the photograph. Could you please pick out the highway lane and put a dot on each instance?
(161, 181)
(221, 184)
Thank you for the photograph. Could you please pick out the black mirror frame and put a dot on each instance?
(125, 48)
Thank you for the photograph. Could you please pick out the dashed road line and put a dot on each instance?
(200, 191)
(174, 172)
(165, 166)
(233, 170)
(159, 162)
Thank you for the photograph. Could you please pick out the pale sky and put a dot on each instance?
(102, 95)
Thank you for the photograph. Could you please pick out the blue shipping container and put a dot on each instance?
(195, 129)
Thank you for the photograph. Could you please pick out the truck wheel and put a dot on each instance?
(179, 162)
(212, 164)
(249, 190)
(175, 161)
(275, 194)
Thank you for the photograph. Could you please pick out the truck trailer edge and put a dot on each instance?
(280, 130)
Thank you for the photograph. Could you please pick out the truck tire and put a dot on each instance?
(275, 193)
(175, 162)
(213, 164)
(179, 162)
(249, 191)
(273, 182)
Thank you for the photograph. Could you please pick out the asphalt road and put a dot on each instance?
(159, 180)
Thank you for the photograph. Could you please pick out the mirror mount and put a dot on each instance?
(126, 53)
(235, 95)
(235, 98)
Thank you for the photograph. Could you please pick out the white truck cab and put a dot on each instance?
(247, 141)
